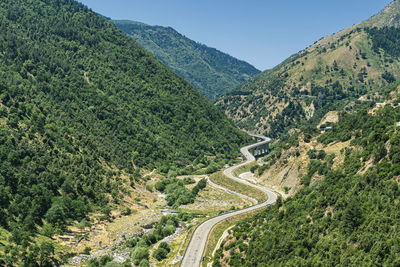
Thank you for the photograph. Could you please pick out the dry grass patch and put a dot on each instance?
(232, 185)
(243, 169)
(216, 234)
(213, 200)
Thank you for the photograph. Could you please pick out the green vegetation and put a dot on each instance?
(177, 193)
(386, 39)
(304, 88)
(245, 168)
(83, 109)
(189, 180)
(222, 180)
(166, 227)
(207, 69)
(107, 261)
(162, 251)
(362, 61)
(217, 232)
(140, 246)
(350, 217)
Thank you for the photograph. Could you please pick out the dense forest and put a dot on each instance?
(387, 39)
(211, 71)
(349, 218)
(81, 107)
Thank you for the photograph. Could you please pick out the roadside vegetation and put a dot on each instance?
(140, 246)
(220, 179)
(347, 218)
(245, 168)
(177, 193)
(217, 232)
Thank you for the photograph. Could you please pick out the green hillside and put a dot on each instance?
(83, 109)
(207, 69)
(359, 63)
(347, 216)
(346, 209)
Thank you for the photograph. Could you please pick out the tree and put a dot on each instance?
(165, 246)
(46, 253)
(104, 260)
(56, 215)
(160, 254)
(144, 263)
(139, 253)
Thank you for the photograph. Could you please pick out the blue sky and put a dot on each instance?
(261, 32)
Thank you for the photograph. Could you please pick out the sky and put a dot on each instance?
(261, 32)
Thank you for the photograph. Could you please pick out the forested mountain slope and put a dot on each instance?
(359, 63)
(346, 215)
(210, 71)
(81, 107)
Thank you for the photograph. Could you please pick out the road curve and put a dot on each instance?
(195, 250)
(230, 191)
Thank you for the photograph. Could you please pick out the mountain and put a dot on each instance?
(347, 212)
(83, 110)
(338, 171)
(360, 63)
(388, 17)
(210, 71)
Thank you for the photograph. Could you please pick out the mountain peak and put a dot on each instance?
(388, 17)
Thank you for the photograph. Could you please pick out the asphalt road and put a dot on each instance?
(194, 251)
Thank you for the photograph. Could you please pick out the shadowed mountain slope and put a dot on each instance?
(210, 71)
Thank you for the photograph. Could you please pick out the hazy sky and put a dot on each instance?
(261, 32)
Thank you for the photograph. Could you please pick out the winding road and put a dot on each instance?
(195, 250)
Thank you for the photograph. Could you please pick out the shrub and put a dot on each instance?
(132, 242)
(104, 260)
(127, 211)
(144, 263)
(188, 180)
(160, 254)
(139, 254)
(149, 188)
(254, 168)
(165, 246)
(87, 250)
(168, 230)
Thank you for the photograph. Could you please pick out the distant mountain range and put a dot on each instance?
(211, 71)
(360, 63)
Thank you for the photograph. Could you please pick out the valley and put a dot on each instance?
(113, 155)
(194, 253)
(210, 203)
(110, 238)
